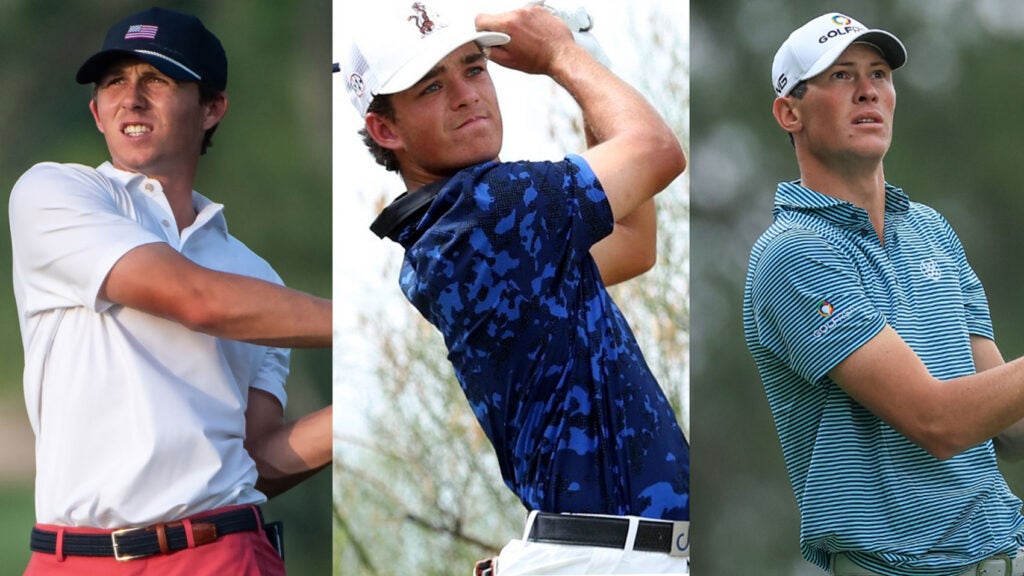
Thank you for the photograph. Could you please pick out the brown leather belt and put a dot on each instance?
(131, 543)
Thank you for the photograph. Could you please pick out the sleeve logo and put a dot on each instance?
(825, 309)
(833, 319)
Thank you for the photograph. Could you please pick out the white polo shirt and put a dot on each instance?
(137, 419)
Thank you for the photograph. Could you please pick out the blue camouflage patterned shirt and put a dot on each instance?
(500, 263)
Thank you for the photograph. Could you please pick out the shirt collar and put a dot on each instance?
(207, 211)
(792, 196)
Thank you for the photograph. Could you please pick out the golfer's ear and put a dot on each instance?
(382, 131)
(787, 114)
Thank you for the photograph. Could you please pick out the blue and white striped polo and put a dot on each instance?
(820, 285)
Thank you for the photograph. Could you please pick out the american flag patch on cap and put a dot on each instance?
(141, 31)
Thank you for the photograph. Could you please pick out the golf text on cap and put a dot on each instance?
(845, 23)
(813, 47)
(846, 27)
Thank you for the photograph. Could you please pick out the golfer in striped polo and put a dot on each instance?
(872, 336)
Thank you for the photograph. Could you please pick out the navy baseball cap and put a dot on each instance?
(175, 43)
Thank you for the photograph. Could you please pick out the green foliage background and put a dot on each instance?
(270, 166)
(957, 147)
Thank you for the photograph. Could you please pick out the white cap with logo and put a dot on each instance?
(813, 47)
(401, 45)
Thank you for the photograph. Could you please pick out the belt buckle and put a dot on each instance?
(981, 569)
(680, 545)
(117, 553)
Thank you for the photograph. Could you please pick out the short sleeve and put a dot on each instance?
(809, 306)
(273, 373)
(976, 309)
(595, 211)
(269, 370)
(69, 226)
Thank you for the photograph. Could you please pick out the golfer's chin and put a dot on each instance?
(477, 142)
(472, 158)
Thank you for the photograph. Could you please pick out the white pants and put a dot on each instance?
(525, 558)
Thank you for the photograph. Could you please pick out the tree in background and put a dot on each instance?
(423, 494)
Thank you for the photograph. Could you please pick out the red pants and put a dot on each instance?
(239, 554)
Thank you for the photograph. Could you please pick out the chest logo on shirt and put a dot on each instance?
(931, 269)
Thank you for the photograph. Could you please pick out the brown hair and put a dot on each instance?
(381, 105)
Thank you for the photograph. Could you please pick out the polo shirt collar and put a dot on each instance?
(792, 196)
(206, 210)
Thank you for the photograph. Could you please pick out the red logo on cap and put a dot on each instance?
(423, 22)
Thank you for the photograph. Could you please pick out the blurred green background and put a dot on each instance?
(270, 167)
(957, 147)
